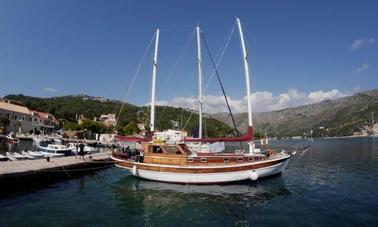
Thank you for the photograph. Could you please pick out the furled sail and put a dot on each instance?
(246, 137)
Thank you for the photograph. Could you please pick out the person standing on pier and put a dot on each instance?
(81, 150)
(77, 149)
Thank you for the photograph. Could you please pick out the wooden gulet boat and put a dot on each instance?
(177, 163)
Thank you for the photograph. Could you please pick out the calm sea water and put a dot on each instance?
(333, 184)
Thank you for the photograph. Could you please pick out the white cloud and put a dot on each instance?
(318, 96)
(261, 101)
(361, 68)
(361, 42)
(50, 89)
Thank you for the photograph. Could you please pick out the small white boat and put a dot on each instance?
(36, 154)
(14, 156)
(33, 155)
(3, 158)
(26, 154)
(51, 155)
(55, 149)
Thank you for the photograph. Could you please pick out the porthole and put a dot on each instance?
(203, 159)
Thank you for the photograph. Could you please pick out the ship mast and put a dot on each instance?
(154, 68)
(247, 78)
(199, 58)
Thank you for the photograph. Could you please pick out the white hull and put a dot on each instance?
(13, 156)
(51, 155)
(58, 150)
(207, 178)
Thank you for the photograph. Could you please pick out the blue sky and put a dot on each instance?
(300, 51)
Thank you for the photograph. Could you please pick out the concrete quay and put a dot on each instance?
(19, 175)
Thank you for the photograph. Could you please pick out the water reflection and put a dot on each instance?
(334, 183)
(157, 200)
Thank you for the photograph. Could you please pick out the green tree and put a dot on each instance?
(130, 129)
(70, 126)
(93, 126)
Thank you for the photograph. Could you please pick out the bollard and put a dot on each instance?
(48, 158)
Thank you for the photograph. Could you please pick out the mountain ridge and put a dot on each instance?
(339, 117)
(68, 107)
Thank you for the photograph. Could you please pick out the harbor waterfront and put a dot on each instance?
(334, 183)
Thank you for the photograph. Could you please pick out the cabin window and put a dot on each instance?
(226, 160)
(172, 150)
(190, 159)
(203, 159)
(261, 158)
(250, 158)
(240, 159)
(157, 150)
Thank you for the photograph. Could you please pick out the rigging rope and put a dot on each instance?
(176, 68)
(179, 61)
(222, 52)
(191, 113)
(128, 90)
(220, 83)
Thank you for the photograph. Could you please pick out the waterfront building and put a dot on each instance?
(23, 120)
(109, 120)
(43, 122)
(20, 119)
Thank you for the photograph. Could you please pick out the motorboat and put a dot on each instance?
(46, 140)
(14, 156)
(55, 149)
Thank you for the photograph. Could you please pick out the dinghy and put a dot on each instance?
(14, 156)
(36, 154)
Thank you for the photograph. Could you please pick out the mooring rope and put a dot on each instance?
(72, 170)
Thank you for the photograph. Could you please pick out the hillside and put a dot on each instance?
(338, 117)
(66, 108)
